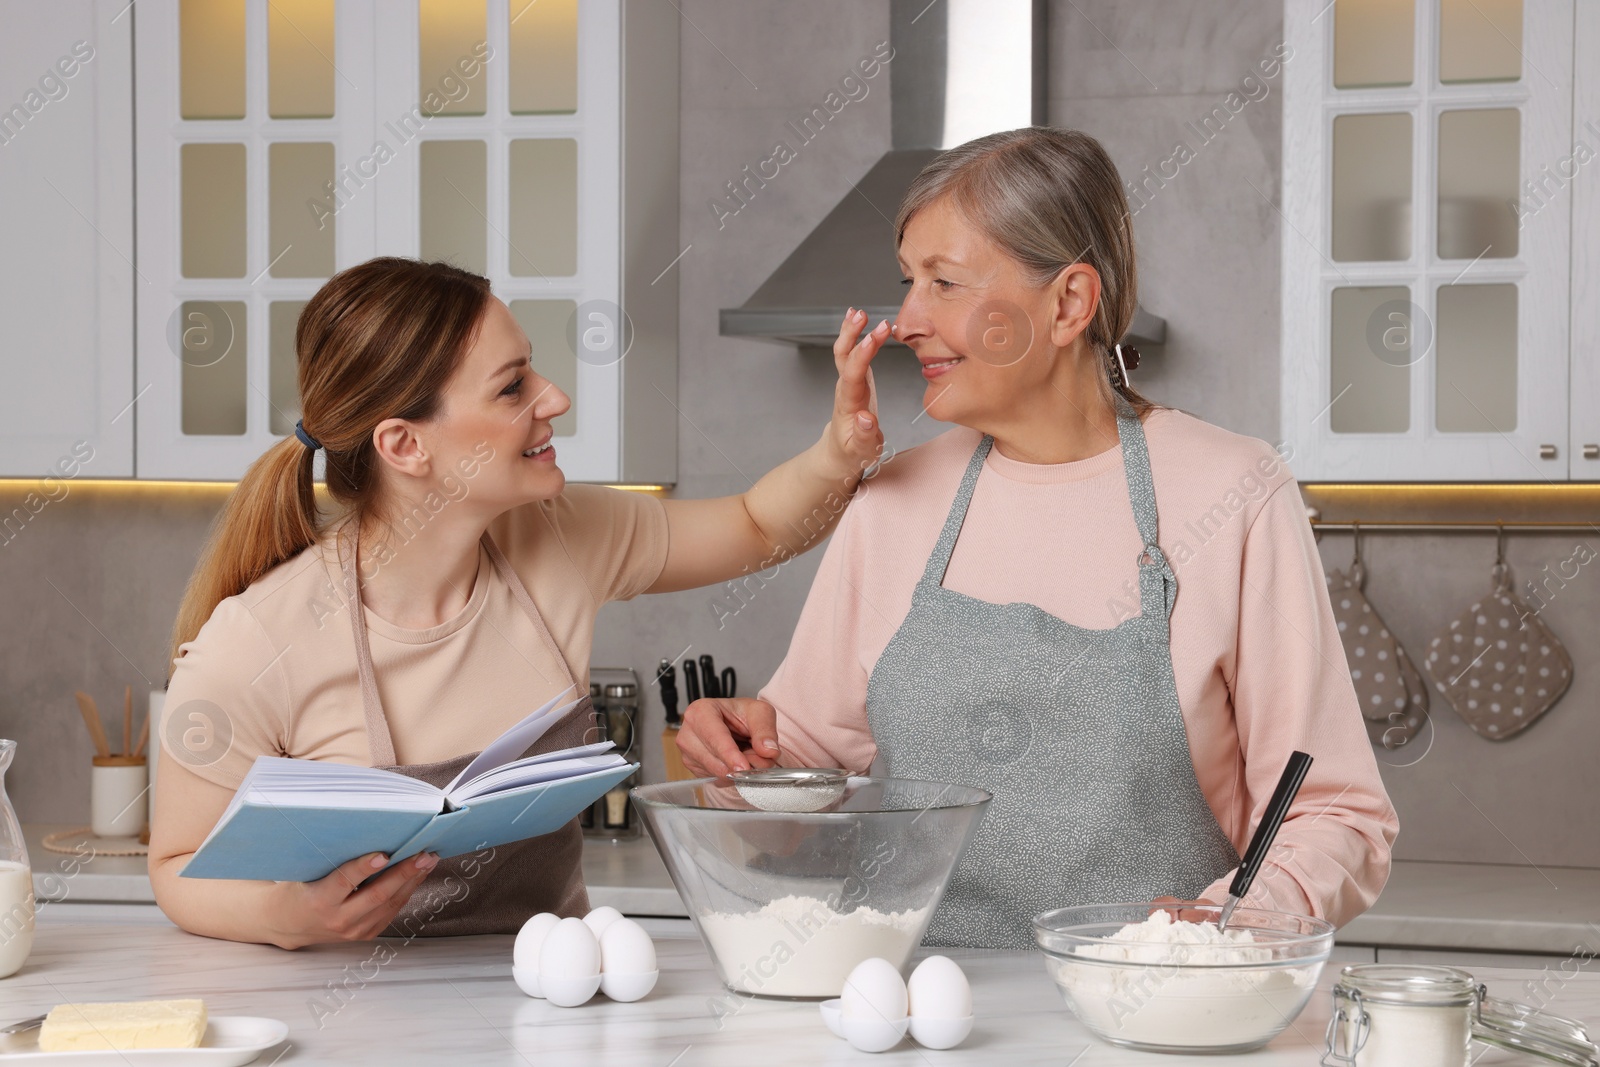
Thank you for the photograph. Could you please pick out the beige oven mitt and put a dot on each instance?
(1498, 664)
(1393, 697)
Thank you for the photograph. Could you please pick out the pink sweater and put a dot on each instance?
(1255, 649)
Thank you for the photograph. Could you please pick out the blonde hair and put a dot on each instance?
(1048, 197)
(377, 341)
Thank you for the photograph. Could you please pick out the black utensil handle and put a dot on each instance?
(727, 682)
(667, 679)
(691, 685)
(708, 677)
(1278, 807)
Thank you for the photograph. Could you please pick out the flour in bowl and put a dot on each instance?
(1175, 984)
(801, 947)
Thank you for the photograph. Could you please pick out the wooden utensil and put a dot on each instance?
(127, 721)
(144, 736)
(91, 719)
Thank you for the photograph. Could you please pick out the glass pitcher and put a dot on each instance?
(16, 879)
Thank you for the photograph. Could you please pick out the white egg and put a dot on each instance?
(570, 951)
(625, 948)
(874, 991)
(525, 952)
(600, 918)
(627, 961)
(938, 989)
(569, 964)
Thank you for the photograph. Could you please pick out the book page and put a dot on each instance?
(511, 744)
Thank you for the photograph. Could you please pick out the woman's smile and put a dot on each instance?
(934, 368)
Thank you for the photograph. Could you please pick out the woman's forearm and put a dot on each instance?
(797, 503)
(227, 909)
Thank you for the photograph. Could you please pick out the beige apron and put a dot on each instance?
(495, 890)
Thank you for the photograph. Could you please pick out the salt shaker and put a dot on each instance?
(1397, 1015)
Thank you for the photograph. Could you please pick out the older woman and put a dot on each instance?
(1109, 614)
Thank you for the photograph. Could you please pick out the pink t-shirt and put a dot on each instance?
(1255, 650)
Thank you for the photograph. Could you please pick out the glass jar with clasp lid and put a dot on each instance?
(1398, 1015)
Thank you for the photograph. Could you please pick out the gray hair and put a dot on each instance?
(1048, 197)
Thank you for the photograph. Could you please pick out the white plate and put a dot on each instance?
(230, 1040)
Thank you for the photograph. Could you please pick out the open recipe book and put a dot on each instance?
(295, 820)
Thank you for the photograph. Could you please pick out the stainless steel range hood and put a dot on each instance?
(960, 69)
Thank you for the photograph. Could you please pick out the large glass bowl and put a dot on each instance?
(789, 902)
(1192, 998)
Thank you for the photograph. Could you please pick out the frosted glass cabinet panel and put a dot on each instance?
(1427, 314)
(212, 349)
(214, 207)
(544, 207)
(1373, 42)
(1480, 40)
(1478, 179)
(300, 52)
(1477, 364)
(1371, 187)
(1372, 354)
(454, 203)
(448, 32)
(300, 240)
(544, 57)
(212, 58)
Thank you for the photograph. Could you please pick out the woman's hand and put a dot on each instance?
(713, 728)
(337, 907)
(854, 436)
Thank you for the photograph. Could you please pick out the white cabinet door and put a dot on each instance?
(1425, 295)
(1582, 168)
(66, 234)
(527, 194)
(225, 192)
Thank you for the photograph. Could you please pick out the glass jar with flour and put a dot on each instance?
(1397, 1015)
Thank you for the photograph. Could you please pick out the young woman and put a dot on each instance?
(455, 591)
(1110, 615)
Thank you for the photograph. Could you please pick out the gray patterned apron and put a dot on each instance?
(1076, 732)
(493, 891)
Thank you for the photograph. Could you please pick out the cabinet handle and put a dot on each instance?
(1547, 451)
(1591, 451)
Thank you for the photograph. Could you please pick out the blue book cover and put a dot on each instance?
(297, 820)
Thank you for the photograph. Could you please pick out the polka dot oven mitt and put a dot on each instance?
(1498, 665)
(1393, 698)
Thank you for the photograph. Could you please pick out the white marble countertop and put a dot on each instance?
(1458, 906)
(439, 1000)
(627, 874)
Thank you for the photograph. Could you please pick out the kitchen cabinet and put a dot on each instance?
(66, 227)
(1579, 168)
(280, 143)
(1429, 332)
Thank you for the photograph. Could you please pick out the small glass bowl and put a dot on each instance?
(1189, 998)
(790, 788)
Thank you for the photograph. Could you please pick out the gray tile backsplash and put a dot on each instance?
(92, 585)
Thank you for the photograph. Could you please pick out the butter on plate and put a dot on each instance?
(123, 1025)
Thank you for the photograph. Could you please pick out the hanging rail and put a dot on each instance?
(1451, 527)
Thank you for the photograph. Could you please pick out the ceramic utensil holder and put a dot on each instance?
(117, 806)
